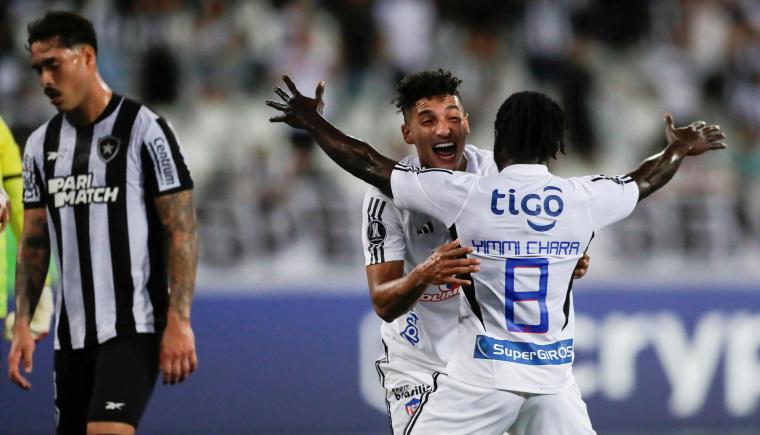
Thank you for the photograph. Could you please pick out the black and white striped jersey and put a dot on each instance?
(98, 185)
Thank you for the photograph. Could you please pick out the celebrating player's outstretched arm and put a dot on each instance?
(351, 154)
(364, 162)
(694, 139)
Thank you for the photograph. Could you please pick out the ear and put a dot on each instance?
(89, 56)
(406, 132)
(466, 123)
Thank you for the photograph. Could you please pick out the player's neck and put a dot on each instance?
(510, 162)
(93, 104)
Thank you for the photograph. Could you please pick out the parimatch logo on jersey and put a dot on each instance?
(78, 189)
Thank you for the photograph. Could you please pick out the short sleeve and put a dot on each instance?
(34, 184)
(610, 199)
(163, 160)
(439, 193)
(382, 230)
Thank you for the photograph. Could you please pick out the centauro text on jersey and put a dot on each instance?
(78, 189)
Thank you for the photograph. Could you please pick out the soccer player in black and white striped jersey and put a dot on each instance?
(105, 184)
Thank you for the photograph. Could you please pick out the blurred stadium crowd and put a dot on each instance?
(268, 199)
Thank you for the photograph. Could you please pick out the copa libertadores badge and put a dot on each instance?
(376, 232)
(108, 147)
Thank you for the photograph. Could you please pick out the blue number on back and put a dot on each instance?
(512, 296)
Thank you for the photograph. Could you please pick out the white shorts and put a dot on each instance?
(454, 408)
(404, 388)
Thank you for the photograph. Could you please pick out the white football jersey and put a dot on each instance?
(528, 228)
(424, 336)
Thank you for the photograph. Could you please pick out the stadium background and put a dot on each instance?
(668, 317)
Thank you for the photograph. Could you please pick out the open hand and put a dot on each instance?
(22, 350)
(699, 136)
(445, 262)
(298, 110)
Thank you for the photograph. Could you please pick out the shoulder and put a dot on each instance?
(35, 140)
(410, 160)
(150, 124)
(480, 161)
(374, 192)
(601, 179)
(6, 138)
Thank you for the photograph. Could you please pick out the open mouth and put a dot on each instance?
(445, 150)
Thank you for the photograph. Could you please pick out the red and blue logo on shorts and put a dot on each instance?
(412, 405)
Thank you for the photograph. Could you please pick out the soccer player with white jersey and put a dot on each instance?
(416, 295)
(511, 369)
(105, 184)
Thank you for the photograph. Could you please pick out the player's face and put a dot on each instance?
(438, 127)
(64, 73)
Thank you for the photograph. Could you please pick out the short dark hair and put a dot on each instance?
(425, 84)
(529, 126)
(70, 28)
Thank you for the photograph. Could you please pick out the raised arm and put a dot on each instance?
(351, 154)
(31, 268)
(177, 214)
(692, 140)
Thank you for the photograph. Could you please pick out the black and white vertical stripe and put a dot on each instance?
(110, 255)
(375, 214)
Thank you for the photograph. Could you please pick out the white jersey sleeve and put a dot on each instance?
(382, 229)
(610, 199)
(439, 193)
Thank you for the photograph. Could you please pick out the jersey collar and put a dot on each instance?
(525, 169)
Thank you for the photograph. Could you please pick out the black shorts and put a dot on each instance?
(110, 382)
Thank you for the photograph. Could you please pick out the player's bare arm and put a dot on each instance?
(351, 154)
(394, 293)
(31, 269)
(177, 214)
(692, 140)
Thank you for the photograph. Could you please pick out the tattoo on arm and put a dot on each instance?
(177, 214)
(32, 262)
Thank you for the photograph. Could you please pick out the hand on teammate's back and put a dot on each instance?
(445, 263)
(581, 268)
(698, 135)
(298, 109)
(178, 358)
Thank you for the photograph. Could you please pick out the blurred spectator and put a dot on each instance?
(614, 65)
(557, 58)
(406, 27)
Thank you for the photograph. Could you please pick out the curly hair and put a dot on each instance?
(425, 84)
(529, 126)
(70, 28)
